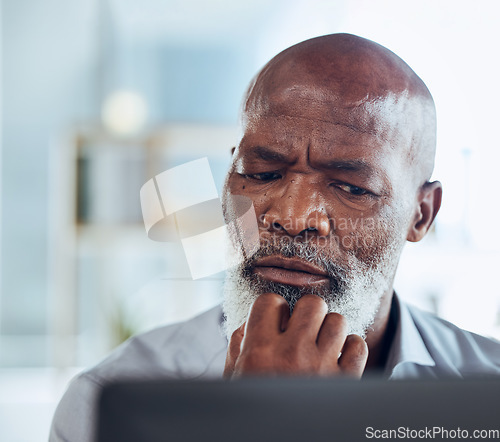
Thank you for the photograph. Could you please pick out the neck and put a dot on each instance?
(380, 338)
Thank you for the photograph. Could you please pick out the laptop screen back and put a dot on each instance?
(299, 410)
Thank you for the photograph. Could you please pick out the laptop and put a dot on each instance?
(291, 409)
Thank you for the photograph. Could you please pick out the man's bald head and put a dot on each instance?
(362, 85)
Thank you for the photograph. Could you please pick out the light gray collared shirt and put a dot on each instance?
(424, 346)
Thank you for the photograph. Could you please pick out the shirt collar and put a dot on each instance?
(408, 345)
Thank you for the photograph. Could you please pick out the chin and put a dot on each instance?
(357, 302)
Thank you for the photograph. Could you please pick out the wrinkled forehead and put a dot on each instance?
(393, 118)
(342, 83)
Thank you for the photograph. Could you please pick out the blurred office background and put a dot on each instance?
(98, 96)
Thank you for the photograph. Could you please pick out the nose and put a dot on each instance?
(299, 210)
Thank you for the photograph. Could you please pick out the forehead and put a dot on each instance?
(328, 124)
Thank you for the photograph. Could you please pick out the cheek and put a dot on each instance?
(262, 202)
(370, 236)
(379, 239)
(236, 186)
(359, 236)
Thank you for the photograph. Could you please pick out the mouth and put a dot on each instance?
(290, 271)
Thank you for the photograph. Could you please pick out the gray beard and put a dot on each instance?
(355, 290)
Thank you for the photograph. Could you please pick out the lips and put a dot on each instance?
(290, 271)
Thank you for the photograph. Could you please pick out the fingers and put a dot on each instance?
(309, 341)
(332, 335)
(333, 340)
(233, 351)
(354, 356)
(307, 318)
(266, 318)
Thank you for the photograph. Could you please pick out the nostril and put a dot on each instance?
(276, 225)
(309, 230)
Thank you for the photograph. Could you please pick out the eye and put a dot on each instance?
(352, 190)
(264, 176)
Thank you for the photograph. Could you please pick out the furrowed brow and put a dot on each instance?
(267, 154)
(359, 167)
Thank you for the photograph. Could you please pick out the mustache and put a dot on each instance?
(293, 249)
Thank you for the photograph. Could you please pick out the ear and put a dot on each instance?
(429, 202)
(232, 150)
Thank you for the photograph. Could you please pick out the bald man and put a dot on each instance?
(336, 156)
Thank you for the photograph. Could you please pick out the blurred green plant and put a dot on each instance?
(121, 325)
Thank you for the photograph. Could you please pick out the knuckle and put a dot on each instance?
(313, 299)
(357, 346)
(270, 299)
(313, 302)
(337, 320)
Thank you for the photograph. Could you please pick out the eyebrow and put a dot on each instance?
(266, 154)
(358, 166)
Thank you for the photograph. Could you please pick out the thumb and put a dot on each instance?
(233, 351)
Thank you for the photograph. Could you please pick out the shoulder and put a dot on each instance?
(450, 346)
(75, 415)
(179, 350)
(194, 348)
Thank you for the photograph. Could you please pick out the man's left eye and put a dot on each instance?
(353, 190)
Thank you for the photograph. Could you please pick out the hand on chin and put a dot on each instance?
(310, 342)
